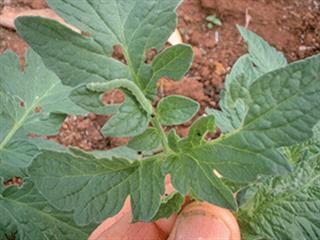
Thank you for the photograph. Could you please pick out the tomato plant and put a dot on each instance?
(268, 151)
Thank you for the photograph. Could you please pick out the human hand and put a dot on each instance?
(196, 221)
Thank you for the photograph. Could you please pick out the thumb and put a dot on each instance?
(205, 221)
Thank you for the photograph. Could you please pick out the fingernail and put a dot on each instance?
(201, 225)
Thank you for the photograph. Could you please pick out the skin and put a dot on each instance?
(197, 220)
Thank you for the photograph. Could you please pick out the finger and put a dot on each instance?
(205, 221)
(125, 230)
(110, 221)
(166, 225)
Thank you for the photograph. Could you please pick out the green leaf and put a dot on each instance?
(262, 58)
(42, 144)
(284, 207)
(175, 110)
(1, 185)
(169, 205)
(46, 123)
(128, 87)
(32, 97)
(118, 152)
(7, 171)
(96, 189)
(74, 58)
(88, 59)
(146, 141)
(237, 83)
(91, 101)
(196, 178)
(173, 63)
(200, 128)
(134, 25)
(26, 212)
(229, 119)
(130, 120)
(282, 111)
(193, 176)
(305, 150)
(265, 57)
(33, 101)
(287, 105)
(133, 115)
(18, 153)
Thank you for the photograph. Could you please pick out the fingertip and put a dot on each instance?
(106, 224)
(203, 220)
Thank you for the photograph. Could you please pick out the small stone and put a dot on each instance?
(92, 116)
(84, 124)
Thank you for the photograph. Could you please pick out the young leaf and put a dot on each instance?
(214, 20)
(305, 150)
(146, 141)
(284, 207)
(169, 205)
(175, 110)
(261, 59)
(265, 57)
(173, 62)
(242, 75)
(173, 140)
(130, 120)
(26, 214)
(200, 128)
(229, 119)
(96, 189)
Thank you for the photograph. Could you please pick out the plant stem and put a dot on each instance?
(163, 136)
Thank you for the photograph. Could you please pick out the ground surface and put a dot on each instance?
(292, 26)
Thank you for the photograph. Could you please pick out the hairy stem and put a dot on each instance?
(123, 83)
(163, 136)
